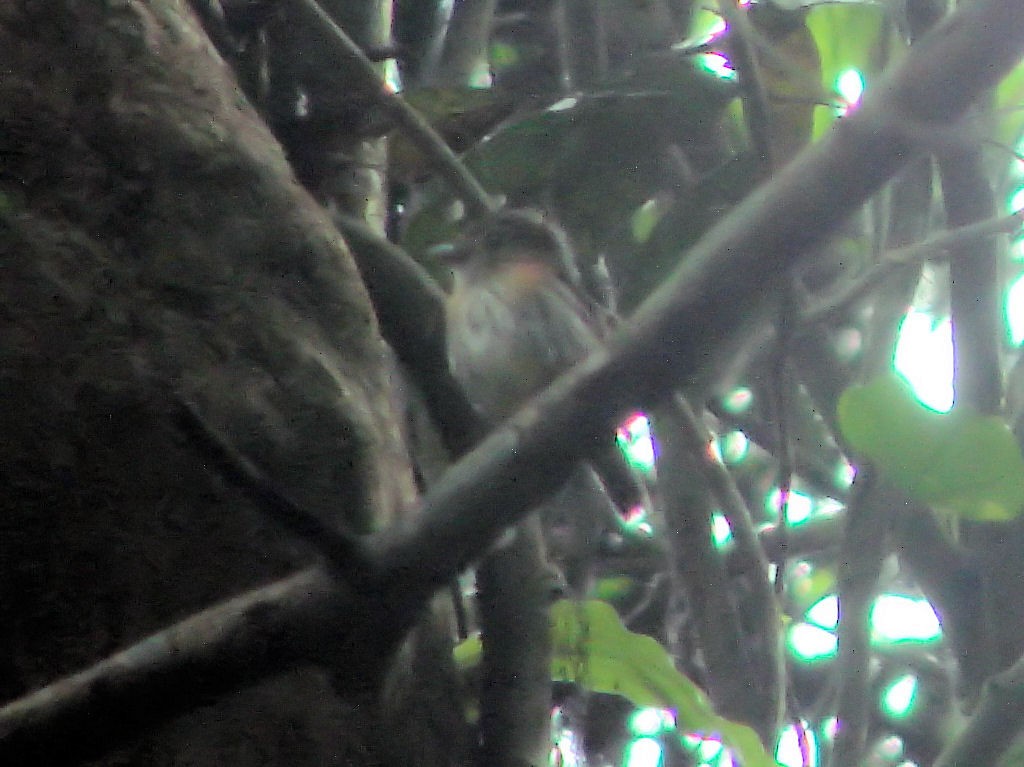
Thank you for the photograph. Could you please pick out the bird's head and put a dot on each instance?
(510, 237)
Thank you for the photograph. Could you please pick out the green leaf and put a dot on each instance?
(468, 652)
(593, 649)
(1009, 97)
(645, 218)
(614, 588)
(848, 36)
(589, 142)
(962, 463)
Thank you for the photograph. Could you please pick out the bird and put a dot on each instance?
(517, 314)
(515, 319)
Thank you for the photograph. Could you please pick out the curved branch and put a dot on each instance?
(410, 307)
(995, 724)
(720, 290)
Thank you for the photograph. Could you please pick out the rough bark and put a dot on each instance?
(154, 243)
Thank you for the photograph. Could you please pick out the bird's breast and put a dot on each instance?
(510, 336)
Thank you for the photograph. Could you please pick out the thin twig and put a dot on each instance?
(933, 248)
(476, 199)
(755, 95)
(725, 490)
(816, 468)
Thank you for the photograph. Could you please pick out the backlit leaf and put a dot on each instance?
(593, 649)
(959, 462)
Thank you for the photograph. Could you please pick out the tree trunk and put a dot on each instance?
(154, 247)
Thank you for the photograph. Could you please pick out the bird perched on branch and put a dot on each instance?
(518, 316)
(516, 319)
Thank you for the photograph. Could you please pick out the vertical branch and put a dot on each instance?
(973, 282)
(465, 45)
(701, 568)
(582, 43)
(860, 557)
(747, 685)
(994, 726)
(515, 699)
(769, 667)
(910, 205)
(781, 406)
(359, 186)
(952, 583)
(977, 380)
(755, 96)
(420, 30)
(870, 508)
